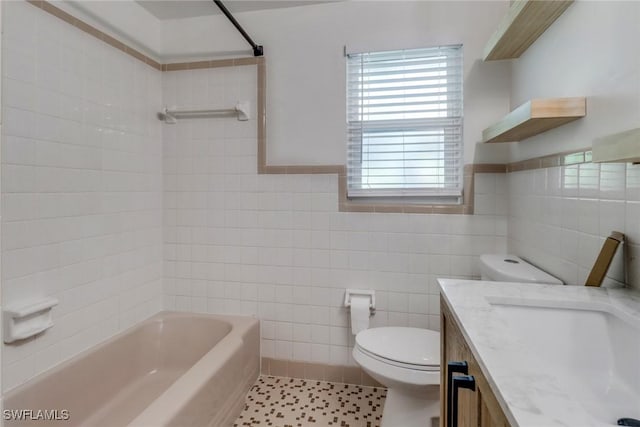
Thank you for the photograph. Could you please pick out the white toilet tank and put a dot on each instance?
(510, 268)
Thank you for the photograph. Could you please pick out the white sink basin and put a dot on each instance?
(590, 348)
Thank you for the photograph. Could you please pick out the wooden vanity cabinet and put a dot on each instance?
(476, 408)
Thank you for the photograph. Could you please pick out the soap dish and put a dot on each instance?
(24, 321)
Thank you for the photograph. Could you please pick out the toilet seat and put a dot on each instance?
(395, 356)
(411, 348)
(407, 362)
(429, 368)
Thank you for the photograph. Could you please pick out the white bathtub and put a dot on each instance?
(174, 369)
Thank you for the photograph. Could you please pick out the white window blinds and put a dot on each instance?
(404, 112)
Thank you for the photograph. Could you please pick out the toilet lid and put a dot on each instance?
(413, 346)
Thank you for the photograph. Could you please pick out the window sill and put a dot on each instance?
(406, 208)
(408, 205)
(346, 205)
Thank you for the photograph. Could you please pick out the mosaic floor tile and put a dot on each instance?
(290, 402)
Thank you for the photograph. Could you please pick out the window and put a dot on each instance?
(404, 113)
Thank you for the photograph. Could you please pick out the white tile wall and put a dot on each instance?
(86, 184)
(559, 218)
(275, 246)
(81, 186)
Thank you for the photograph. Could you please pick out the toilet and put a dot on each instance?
(407, 360)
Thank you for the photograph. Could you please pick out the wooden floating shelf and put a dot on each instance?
(534, 117)
(521, 26)
(621, 147)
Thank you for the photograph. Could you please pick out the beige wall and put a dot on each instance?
(559, 217)
(306, 67)
(592, 51)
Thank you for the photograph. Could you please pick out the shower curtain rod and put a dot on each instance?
(257, 49)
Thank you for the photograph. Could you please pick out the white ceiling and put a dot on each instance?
(177, 9)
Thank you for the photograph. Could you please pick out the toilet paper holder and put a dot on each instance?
(361, 292)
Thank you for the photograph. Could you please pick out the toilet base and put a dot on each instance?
(411, 409)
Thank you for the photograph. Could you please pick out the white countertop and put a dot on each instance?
(529, 396)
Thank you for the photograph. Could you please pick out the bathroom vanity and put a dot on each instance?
(532, 355)
(477, 406)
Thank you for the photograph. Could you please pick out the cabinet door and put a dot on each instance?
(454, 348)
(485, 416)
(475, 409)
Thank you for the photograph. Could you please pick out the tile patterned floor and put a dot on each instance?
(289, 402)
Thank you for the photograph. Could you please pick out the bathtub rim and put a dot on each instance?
(169, 403)
(233, 339)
